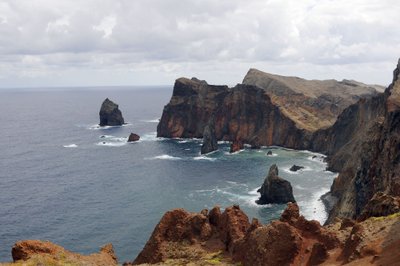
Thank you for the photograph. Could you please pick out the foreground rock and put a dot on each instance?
(295, 168)
(275, 189)
(133, 137)
(110, 115)
(210, 142)
(35, 252)
(228, 238)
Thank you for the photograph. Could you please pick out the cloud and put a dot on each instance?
(47, 42)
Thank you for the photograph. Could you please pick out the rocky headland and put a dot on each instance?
(110, 115)
(264, 110)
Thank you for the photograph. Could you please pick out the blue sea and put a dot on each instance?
(66, 180)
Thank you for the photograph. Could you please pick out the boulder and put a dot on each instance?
(236, 145)
(275, 189)
(110, 115)
(295, 168)
(269, 153)
(133, 137)
(210, 142)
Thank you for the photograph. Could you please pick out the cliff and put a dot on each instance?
(265, 110)
(228, 238)
(364, 145)
(243, 112)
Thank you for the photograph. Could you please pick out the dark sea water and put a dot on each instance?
(64, 179)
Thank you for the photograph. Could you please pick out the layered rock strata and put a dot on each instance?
(110, 115)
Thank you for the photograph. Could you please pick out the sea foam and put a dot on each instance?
(164, 157)
(70, 146)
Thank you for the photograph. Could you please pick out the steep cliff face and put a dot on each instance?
(243, 112)
(365, 145)
(265, 110)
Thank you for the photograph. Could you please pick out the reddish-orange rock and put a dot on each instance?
(236, 145)
(36, 252)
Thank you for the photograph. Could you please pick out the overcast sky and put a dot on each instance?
(145, 42)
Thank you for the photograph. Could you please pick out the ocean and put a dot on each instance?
(66, 180)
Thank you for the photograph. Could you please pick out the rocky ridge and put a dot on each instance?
(229, 238)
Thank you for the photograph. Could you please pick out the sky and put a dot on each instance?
(45, 43)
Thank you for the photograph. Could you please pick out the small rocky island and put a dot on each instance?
(275, 189)
(133, 137)
(296, 168)
(110, 115)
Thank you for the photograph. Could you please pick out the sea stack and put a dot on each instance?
(210, 142)
(110, 115)
(275, 189)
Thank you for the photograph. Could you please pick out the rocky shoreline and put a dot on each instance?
(361, 139)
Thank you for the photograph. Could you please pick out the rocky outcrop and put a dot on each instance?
(133, 137)
(36, 252)
(236, 146)
(275, 189)
(296, 168)
(210, 142)
(110, 115)
(178, 230)
(229, 239)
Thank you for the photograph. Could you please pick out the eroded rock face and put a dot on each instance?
(291, 241)
(110, 115)
(275, 189)
(178, 226)
(36, 252)
(365, 144)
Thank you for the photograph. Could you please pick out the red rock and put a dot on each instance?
(28, 250)
(236, 145)
(233, 226)
(133, 137)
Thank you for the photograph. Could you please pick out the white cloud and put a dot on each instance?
(214, 40)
